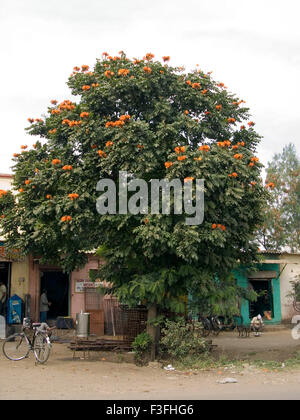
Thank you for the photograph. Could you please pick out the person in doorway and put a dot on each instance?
(44, 306)
(3, 293)
(257, 325)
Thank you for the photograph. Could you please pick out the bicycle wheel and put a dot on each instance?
(16, 347)
(41, 347)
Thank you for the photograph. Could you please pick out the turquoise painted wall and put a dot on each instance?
(242, 281)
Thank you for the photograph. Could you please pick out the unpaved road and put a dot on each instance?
(65, 378)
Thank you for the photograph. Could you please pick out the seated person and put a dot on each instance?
(257, 324)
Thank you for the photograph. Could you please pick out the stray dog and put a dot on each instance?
(244, 330)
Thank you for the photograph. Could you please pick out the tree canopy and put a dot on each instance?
(154, 121)
(281, 229)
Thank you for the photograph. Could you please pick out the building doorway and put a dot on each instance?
(265, 298)
(5, 268)
(57, 285)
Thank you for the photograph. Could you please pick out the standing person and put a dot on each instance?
(3, 293)
(257, 324)
(44, 306)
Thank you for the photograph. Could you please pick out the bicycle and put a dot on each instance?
(34, 337)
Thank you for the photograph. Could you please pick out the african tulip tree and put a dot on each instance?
(153, 121)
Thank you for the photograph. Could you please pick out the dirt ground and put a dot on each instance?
(108, 376)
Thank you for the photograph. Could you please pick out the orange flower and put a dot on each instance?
(73, 196)
(204, 91)
(27, 182)
(230, 120)
(223, 227)
(53, 101)
(84, 114)
(186, 112)
(254, 159)
(149, 56)
(251, 164)
(221, 143)
(109, 73)
(181, 157)
(16, 154)
(123, 72)
(109, 143)
(270, 185)
(49, 196)
(235, 147)
(56, 162)
(140, 146)
(234, 174)
(166, 58)
(21, 190)
(2, 216)
(84, 67)
(147, 70)
(196, 85)
(253, 183)
(101, 153)
(67, 167)
(238, 156)
(86, 87)
(31, 120)
(188, 179)
(188, 82)
(218, 107)
(168, 164)
(52, 131)
(93, 146)
(242, 127)
(251, 123)
(66, 218)
(2, 192)
(213, 226)
(124, 117)
(204, 148)
(24, 147)
(198, 159)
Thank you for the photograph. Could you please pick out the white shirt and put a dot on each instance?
(2, 293)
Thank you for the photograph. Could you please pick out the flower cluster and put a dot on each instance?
(204, 148)
(71, 123)
(123, 72)
(119, 123)
(66, 219)
(56, 161)
(73, 196)
(2, 193)
(219, 226)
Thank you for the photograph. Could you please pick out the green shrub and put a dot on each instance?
(141, 347)
(180, 340)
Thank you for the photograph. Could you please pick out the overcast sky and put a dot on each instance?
(251, 46)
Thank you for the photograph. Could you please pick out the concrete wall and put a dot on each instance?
(78, 276)
(288, 273)
(20, 278)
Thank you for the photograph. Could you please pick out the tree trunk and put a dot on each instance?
(152, 330)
